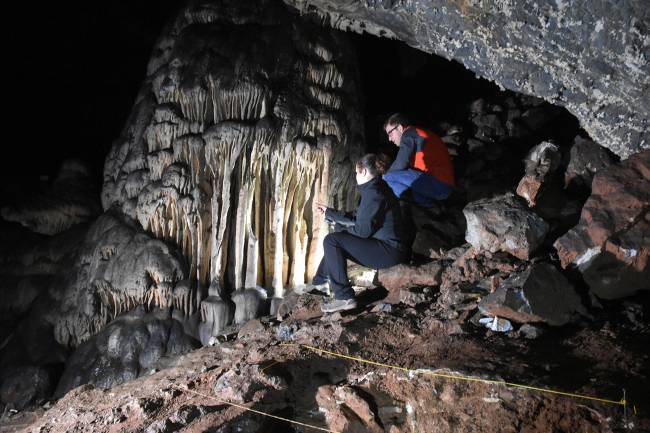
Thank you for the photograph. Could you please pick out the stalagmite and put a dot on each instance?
(216, 314)
(249, 304)
(241, 136)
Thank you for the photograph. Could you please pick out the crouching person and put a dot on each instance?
(373, 238)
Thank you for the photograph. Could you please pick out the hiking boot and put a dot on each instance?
(306, 288)
(338, 305)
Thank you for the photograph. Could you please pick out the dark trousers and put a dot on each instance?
(424, 187)
(339, 247)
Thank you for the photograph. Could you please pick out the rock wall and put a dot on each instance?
(590, 57)
(247, 116)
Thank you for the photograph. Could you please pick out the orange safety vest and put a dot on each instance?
(433, 157)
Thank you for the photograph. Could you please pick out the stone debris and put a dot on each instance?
(503, 223)
(530, 331)
(538, 294)
(346, 410)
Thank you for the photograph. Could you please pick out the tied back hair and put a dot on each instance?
(375, 164)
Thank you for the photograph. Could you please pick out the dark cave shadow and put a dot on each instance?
(552, 365)
(296, 400)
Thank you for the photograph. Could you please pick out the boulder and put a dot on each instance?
(585, 159)
(504, 223)
(540, 293)
(440, 226)
(610, 244)
(128, 347)
(402, 277)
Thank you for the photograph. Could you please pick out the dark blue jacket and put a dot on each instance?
(379, 215)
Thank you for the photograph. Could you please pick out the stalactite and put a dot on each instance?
(241, 101)
(195, 104)
(325, 75)
(189, 149)
(324, 97)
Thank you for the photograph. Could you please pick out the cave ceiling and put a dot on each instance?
(590, 57)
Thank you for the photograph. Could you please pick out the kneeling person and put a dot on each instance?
(422, 164)
(373, 238)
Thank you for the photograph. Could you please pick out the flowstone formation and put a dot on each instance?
(248, 115)
(592, 58)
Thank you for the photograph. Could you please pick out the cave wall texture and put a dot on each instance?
(591, 57)
(233, 137)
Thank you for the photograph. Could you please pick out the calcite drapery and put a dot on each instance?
(116, 268)
(248, 116)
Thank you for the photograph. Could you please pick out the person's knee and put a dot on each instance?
(333, 239)
(389, 176)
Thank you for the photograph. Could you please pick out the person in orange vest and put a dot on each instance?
(422, 164)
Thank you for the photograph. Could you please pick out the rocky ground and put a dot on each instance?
(265, 365)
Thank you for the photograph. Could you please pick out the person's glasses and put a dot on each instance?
(391, 131)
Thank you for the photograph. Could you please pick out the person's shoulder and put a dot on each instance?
(424, 132)
(411, 132)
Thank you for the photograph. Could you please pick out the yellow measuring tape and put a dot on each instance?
(621, 402)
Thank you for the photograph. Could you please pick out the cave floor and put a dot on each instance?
(265, 365)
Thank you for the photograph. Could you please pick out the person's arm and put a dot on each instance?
(407, 147)
(338, 217)
(368, 216)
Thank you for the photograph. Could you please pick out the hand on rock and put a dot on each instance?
(321, 208)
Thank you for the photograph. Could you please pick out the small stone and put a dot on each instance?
(412, 298)
(530, 331)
